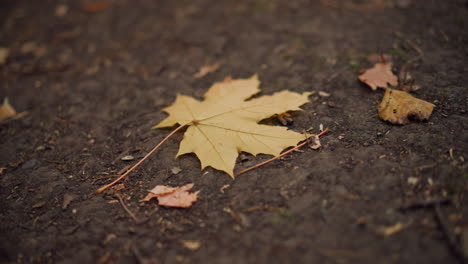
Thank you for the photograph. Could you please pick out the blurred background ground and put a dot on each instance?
(94, 76)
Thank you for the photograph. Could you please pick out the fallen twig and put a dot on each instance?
(139, 257)
(100, 190)
(126, 209)
(403, 74)
(451, 239)
(425, 204)
(259, 208)
(449, 236)
(282, 154)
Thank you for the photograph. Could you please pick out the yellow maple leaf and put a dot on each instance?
(225, 124)
(397, 106)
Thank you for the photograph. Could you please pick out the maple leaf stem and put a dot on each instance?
(282, 154)
(103, 188)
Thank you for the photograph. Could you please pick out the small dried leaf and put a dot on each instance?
(377, 57)
(173, 196)
(316, 144)
(191, 244)
(67, 199)
(323, 94)
(61, 10)
(179, 198)
(38, 205)
(397, 106)
(6, 110)
(157, 191)
(205, 70)
(379, 76)
(127, 158)
(391, 230)
(3, 55)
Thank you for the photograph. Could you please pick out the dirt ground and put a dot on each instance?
(94, 78)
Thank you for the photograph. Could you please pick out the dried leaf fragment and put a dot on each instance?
(33, 48)
(61, 10)
(205, 70)
(391, 230)
(173, 196)
(191, 244)
(316, 144)
(379, 76)
(38, 205)
(378, 57)
(4, 55)
(407, 81)
(127, 158)
(397, 106)
(285, 119)
(67, 199)
(96, 6)
(6, 110)
(324, 94)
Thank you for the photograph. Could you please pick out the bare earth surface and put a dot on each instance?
(95, 82)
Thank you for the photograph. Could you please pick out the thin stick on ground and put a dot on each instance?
(425, 204)
(282, 154)
(451, 239)
(126, 209)
(412, 44)
(100, 190)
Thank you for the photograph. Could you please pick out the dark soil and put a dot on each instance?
(96, 82)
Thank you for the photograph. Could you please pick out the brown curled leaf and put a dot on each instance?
(397, 106)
